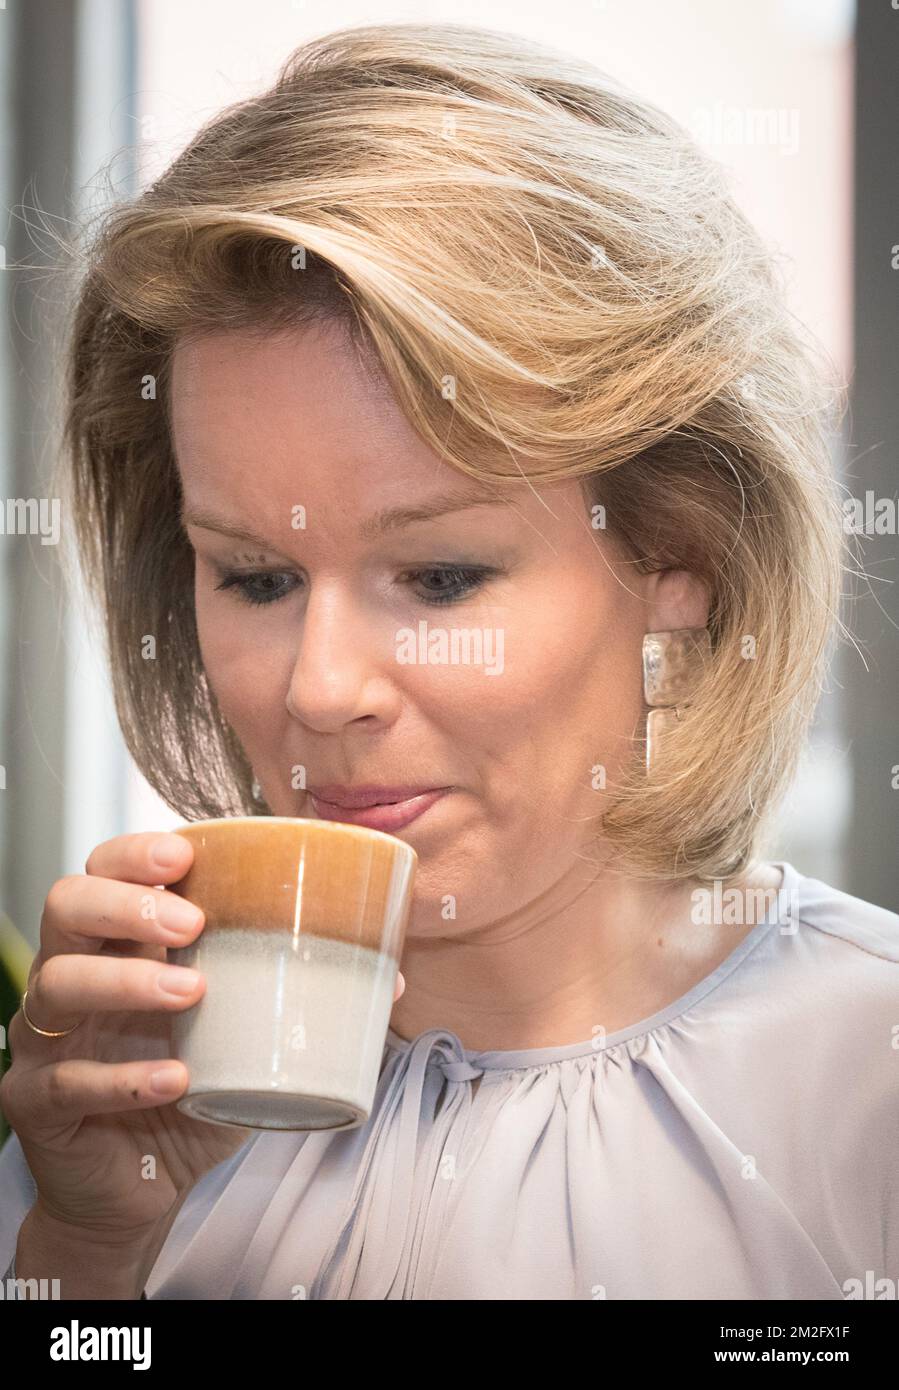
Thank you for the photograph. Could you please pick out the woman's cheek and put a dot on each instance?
(238, 670)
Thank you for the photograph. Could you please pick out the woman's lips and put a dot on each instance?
(387, 816)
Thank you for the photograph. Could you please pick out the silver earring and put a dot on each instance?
(673, 663)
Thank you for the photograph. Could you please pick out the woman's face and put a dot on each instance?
(286, 436)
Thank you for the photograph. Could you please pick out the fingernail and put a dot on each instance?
(178, 915)
(169, 850)
(166, 1079)
(178, 980)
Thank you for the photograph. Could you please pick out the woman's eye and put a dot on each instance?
(244, 585)
(453, 583)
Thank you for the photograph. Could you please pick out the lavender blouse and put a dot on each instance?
(741, 1143)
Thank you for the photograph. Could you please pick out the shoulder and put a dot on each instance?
(842, 981)
(868, 930)
(818, 996)
(837, 1069)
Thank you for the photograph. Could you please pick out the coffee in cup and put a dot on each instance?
(304, 928)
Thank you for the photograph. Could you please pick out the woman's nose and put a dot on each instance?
(336, 675)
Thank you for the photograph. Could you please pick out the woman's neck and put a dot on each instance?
(587, 956)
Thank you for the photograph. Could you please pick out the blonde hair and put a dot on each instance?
(557, 284)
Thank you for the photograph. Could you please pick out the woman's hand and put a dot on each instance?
(112, 1156)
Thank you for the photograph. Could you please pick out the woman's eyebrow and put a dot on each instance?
(388, 520)
(454, 501)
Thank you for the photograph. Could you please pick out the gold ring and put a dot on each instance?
(43, 1031)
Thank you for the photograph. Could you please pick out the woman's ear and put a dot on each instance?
(676, 598)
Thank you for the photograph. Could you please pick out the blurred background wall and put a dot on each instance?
(797, 98)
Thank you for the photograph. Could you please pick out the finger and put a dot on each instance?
(68, 987)
(82, 911)
(149, 856)
(61, 1093)
(400, 985)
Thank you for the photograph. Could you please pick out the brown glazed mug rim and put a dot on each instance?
(328, 826)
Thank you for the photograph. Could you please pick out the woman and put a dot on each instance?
(446, 332)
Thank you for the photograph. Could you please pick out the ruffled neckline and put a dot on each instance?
(536, 1056)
